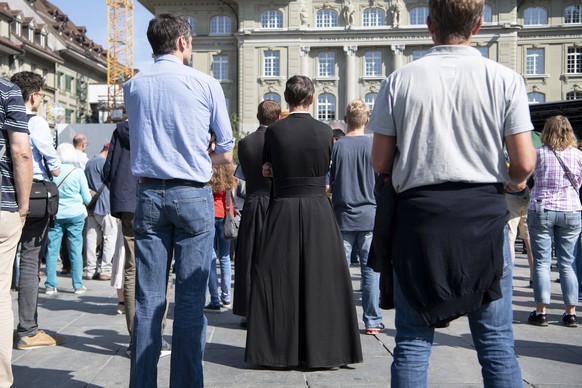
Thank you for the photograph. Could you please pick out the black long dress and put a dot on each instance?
(301, 310)
(258, 189)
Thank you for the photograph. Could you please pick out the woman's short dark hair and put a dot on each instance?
(28, 82)
(299, 90)
(164, 31)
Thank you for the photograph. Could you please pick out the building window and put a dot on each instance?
(220, 67)
(326, 107)
(272, 19)
(327, 64)
(417, 54)
(273, 96)
(271, 64)
(484, 51)
(573, 95)
(43, 40)
(534, 61)
(192, 22)
(220, 25)
(573, 14)
(534, 16)
(418, 15)
(574, 60)
(373, 64)
(68, 83)
(536, 98)
(68, 115)
(487, 14)
(370, 100)
(326, 18)
(31, 34)
(58, 77)
(373, 17)
(18, 28)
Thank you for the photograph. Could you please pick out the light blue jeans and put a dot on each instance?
(171, 221)
(564, 228)
(74, 228)
(490, 328)
(222, 249)
(370, 280)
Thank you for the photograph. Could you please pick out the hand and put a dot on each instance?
(515, 188)
(23, 214)
(267, 170)
(211, 144)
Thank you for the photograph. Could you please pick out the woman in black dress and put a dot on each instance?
(301, 310)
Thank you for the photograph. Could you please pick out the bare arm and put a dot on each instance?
(267, 170)
(22, 164)
(222, 158)
(383, 151)
(522, 156)
(56, 172)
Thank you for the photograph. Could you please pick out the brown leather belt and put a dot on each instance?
(170, 182)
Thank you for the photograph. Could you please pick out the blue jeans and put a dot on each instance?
(370, 280)
(171, 221)
(564, 227)
(490, 328)
(74, 228)
(222, 248)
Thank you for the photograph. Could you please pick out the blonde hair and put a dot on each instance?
(357, 113)
(558, 133)
(223, 178)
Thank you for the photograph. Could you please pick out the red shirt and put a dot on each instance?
(220, 205)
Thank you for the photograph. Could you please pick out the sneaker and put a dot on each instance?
(104, 276)
(51, 291)
(538, 319)
(86, 276)
(81, 290)
(166, 349)
(570, 320)
(225, 302)
(120, 308)
(39, 340)
(375, 330)
(213, 308)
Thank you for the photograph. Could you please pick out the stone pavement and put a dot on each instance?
(93, 354)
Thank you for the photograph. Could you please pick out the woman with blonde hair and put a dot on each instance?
(222, 183)
(554, 211)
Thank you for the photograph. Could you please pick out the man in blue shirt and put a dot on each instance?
(34, 238)
(173, 110)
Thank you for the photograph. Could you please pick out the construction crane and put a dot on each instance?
(119, 53)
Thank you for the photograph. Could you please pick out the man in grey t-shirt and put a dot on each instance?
(352, 187)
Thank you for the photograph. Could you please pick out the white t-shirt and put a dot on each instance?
(450, 111)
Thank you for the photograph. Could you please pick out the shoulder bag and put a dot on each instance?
(568, 172)
(231, 222)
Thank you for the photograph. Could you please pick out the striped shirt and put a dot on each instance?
(551, 184)
(12, 118)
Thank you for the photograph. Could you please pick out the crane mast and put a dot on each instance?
(119, 53)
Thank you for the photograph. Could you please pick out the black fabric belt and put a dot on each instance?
(170, 182)
(299, 187)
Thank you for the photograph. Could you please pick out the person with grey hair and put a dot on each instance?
(444, 145)
(73, 196)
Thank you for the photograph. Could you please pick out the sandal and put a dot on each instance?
(375, 330)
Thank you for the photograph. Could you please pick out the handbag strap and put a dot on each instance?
(567, 171)
(61, 182)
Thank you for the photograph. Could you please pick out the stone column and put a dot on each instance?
(398, 50)
(305, 60)
(351, 77)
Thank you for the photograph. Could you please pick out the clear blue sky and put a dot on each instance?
(93, 15)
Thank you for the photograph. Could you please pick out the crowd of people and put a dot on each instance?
(457, 196)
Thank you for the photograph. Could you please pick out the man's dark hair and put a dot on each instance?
(164, 31)
(453, 20)
(299, 90)
(28, 82)
(268, 112)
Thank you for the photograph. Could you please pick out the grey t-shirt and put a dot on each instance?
(450, 111)
(352, 181)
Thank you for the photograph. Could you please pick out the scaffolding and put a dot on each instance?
(119, 53)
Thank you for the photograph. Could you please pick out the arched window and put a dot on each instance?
(418, 15)
(573, 14)
(326, 18)
(272, 19)
(220, 25)
(534, 16)
(192, 22)
(326, 107)
(573, 95)
(487, 14)
(273, 96)
(536, 97)
(370, 100)
(373, 17)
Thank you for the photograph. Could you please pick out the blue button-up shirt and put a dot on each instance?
(172, 109)
(41, 143)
